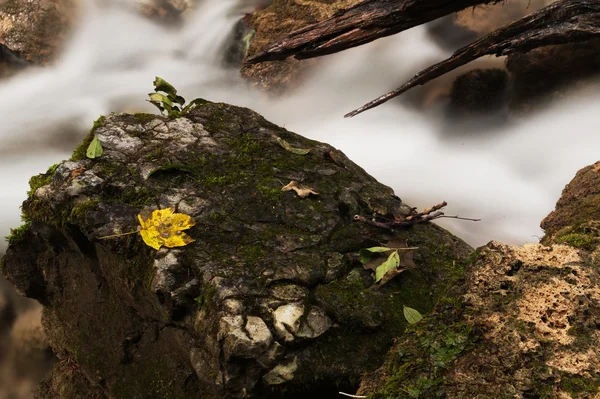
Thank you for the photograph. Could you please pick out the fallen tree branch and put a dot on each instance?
(358, 25)
(563, 22)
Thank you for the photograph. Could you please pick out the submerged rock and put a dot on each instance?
(479, 91)
(551, 73)
(271, 296)
(167, 11)
(238, 43)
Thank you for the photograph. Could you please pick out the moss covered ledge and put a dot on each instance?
(520, 322)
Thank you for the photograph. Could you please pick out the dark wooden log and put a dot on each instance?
(361, 24)
(563, 22)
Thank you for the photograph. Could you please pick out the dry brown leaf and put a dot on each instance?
(302, 191)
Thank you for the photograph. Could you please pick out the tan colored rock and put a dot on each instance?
(522, 323)
(275, 22)
(168, 11)
(486, 18)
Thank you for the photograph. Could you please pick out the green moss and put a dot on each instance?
(143, 118)
(578, 386)
(79, 211)
(216, 180)
(270, 194)
(98, 123)
(80, 150)
(155, 154)
(418, 366)
(218, 120)
(16, 235)
(253, 254)
(138, 197)
(40, 180)
(581, 241)
(205, 301)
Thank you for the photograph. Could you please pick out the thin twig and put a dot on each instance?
(372, 222)
(460, 218)
(118, 235)
(352, 396)
(427, 211)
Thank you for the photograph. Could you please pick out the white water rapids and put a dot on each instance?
(509, 177)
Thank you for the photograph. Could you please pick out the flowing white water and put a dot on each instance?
(509, 177)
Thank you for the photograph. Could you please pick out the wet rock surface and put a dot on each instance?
(479, 91)
(270, 297)
(238, 43)
(551, 73)
(35, 30)
(521, 323)
(166, 11)
(275, 22)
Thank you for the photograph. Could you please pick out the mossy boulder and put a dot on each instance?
(576, 219)
(271, 298)
(277, 21)
(521, 322)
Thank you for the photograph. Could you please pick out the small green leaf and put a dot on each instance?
(177, 99)
(193, 104)
(158, 98)
(392, 262)
(288, 147)
(412, 315)
(366, 254)
(379, 249)
(162, 85)
(94, 150)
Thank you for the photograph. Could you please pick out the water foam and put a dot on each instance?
(510, 177)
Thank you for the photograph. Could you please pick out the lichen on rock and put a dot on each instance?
(270, 297)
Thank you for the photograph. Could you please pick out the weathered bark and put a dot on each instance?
(566, 21)
(358, 25)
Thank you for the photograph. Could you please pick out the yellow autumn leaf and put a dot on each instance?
(164, 228)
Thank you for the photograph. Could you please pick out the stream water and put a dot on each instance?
(509, 176)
